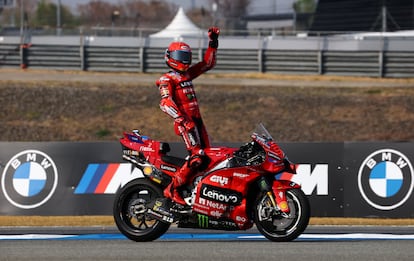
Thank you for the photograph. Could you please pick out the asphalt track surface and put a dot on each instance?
(106, 243)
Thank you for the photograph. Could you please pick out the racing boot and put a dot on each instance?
(172, 190)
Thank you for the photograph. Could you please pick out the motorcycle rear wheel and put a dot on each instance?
(130, 211)
(282, 227)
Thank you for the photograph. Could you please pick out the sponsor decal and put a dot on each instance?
(221, 195)
(134, 138)
(169, 168)
(106, 178)
(202, 221)
(29, 179)
(131, 152)
(241, 219)
(190, 96)
(212, 204)
(386, 179)
(219, 179)
(186, 84)
(164, 91)
(199, 209)
(146, 149)
(240, 175)
(205, 222)
(215, 213)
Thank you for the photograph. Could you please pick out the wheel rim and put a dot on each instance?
(133, 209)
(279, 224)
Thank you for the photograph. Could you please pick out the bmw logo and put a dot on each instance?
(386, 179)
(29, 179)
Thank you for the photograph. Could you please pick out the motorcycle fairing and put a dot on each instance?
(222, 194)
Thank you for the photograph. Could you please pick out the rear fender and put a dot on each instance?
(139, 143)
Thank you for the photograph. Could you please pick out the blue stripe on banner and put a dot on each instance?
(96, 178)
(86, 178)
(215, 236)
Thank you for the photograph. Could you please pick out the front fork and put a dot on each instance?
(277, 195)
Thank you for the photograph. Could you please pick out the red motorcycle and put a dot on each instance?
(235, 189)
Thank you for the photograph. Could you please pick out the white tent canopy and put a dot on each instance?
(180, 26)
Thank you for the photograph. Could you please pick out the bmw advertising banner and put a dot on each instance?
(81, 178)
(382, 178)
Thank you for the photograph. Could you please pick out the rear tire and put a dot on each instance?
(277, 226)
(130, 211)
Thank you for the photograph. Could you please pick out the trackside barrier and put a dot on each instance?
(80, 178)
(333, 55)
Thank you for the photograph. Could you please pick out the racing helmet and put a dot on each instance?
(178, 56)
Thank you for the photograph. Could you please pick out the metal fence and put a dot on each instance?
(331, 55)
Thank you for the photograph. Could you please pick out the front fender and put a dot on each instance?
(279, 188)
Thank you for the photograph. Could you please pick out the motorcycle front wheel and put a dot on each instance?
(130, 211)
(278, 226)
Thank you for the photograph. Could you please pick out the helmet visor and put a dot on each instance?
(181, 56)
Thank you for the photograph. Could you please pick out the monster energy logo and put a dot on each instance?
(190, 96)
(205, 222)
(202, 221)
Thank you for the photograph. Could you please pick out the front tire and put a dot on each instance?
(130, 211)
(278, 226)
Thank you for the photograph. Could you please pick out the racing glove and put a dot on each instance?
(213, 34)
(188, 125)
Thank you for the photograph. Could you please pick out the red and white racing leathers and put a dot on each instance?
(178, 100)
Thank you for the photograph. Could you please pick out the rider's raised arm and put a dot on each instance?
(209, 60)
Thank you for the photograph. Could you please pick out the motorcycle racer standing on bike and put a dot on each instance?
(179, 101)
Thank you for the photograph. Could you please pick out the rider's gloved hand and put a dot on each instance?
(213, 34)
(188, 125)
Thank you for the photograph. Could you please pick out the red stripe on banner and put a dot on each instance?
(106, 178)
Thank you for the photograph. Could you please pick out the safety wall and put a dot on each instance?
(330, 55)
(80, 178)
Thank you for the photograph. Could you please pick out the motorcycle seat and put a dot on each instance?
(165, 147)
(176, 161)
(173, 160)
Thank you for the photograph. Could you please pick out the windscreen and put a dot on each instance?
(262, 132)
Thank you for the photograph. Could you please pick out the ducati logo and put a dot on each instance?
(385, 179)
(29, 179)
